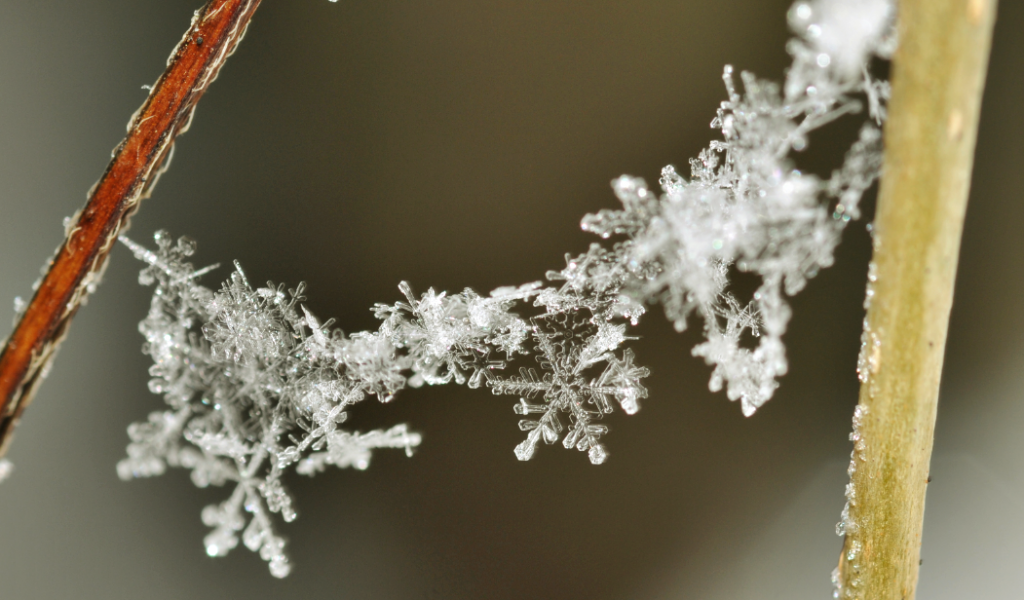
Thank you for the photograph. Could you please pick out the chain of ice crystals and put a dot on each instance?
(746, 207)
(255, 384)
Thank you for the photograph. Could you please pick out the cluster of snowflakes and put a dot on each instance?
(255, 384)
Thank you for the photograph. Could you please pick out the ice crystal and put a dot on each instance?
(848, 526)
(567, 348)
(255, 384)
(746, 207)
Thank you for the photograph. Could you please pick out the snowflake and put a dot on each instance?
(568, 350)
(255, 385)
(747, 208)
(452, 337)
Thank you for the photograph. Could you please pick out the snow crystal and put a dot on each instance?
(255, 384)
(746, 207)
(848, 526)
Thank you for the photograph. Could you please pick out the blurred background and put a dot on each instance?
(454, 144)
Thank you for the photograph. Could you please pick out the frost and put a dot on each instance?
(255, 384)
(746, 207)
(848, 525)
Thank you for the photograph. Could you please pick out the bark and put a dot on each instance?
(137, 161)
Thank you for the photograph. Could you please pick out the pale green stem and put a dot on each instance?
(938, 77)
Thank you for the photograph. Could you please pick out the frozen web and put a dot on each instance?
(255, 384)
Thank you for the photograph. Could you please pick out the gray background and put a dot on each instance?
(453, 144)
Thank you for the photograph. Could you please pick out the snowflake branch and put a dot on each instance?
(930, 137)
(135, 167)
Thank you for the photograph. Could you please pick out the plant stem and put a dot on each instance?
(938, 78)
(134, 169)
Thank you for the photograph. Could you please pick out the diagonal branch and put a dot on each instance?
(135, 167)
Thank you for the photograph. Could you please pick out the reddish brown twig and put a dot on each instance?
(135, 167)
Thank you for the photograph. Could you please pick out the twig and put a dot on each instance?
(135, 167)
(938, 77)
